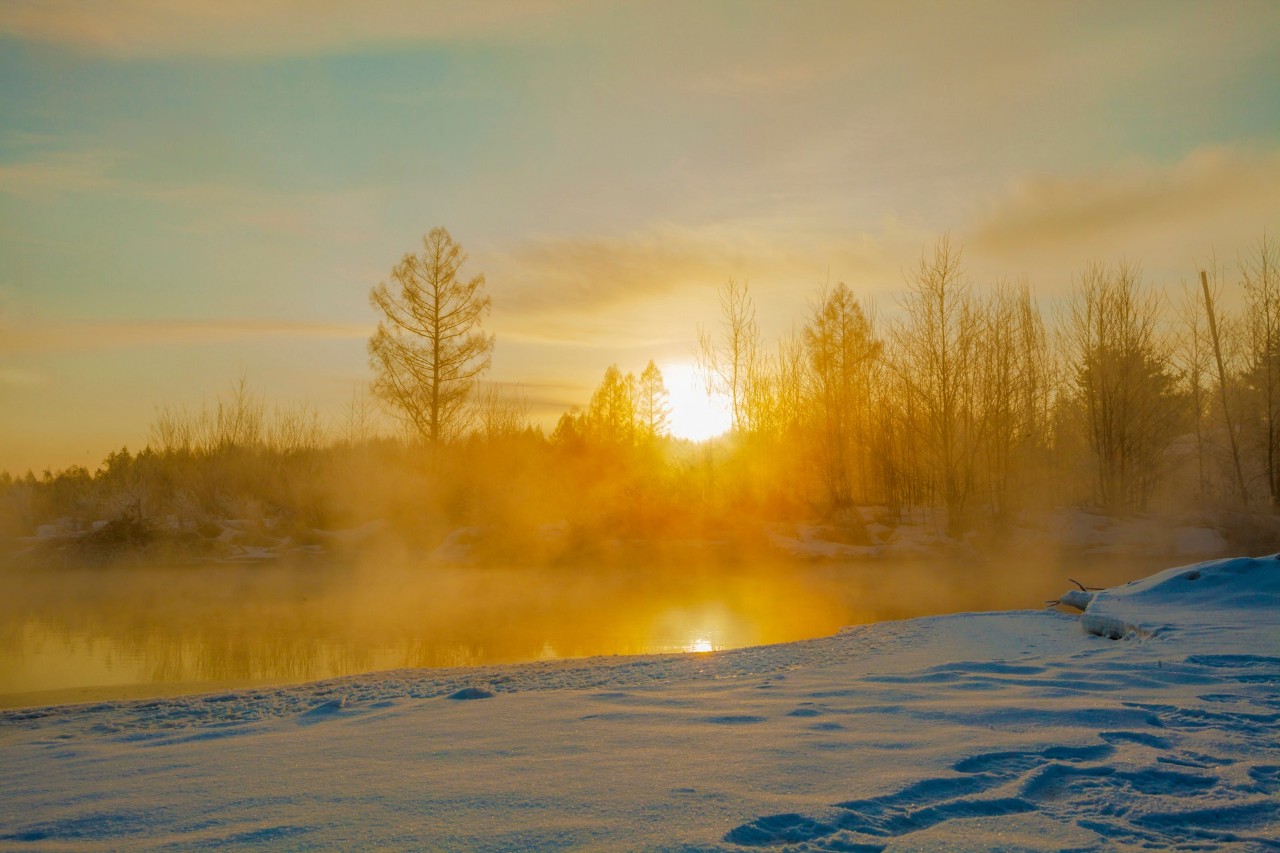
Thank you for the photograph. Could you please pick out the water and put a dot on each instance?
(90, 634)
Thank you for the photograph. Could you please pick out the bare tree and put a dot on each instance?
(935, 352)
(1192, 358)
(429, 348)
(790, 370)
(732, 362)
(500, 412)
(359, 418)
(295, 429)
(1014, 390)
(239, 420)
(236, 421)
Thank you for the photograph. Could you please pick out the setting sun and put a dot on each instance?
(696, 415)
(548, 424)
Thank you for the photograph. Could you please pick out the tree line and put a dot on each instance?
(973, 403)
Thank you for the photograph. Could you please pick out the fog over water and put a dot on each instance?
(82, 634)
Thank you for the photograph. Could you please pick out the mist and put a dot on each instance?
(977, 451)
(151, 628)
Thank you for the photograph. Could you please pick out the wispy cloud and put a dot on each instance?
(96, 335)
(1215, 198)
(584, 275)
(1078, 210)
(145, 29)
(629, 298)
(201, 207)
(57, 174)
(543, 397)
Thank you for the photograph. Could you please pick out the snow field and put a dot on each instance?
(1013, 731)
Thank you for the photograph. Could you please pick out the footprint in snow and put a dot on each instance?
(1072, 785)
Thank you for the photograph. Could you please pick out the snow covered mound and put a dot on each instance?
(977, 731)
(1246, 588)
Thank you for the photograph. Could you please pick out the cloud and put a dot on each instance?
(645, 294)
(57, 174)
(544, 398)
(97, 335)
(1206, 184)
(204, 207)
(559, 276)
(135, 29)
(1170, 218)
(583, 274)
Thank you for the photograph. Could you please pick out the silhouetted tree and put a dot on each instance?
(841, 348)
(653, 411)
(1260, 272)
(732, 361)
(1123, 381)
(571, 429)
(429, 347)
(790, 376)
(611, 414)
(936, 348)
(501, 413)
(1014, 390)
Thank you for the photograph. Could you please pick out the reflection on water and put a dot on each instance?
(211, 625)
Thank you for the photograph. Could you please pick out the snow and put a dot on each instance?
(1025, 730)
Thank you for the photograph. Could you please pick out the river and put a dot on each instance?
(88, 634)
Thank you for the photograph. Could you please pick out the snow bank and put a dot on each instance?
(1217, 594)
(1007, 731)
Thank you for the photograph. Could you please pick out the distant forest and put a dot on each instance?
(974, 405)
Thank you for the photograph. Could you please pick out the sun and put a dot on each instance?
(695, 414)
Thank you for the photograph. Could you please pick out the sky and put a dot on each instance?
(201, 189)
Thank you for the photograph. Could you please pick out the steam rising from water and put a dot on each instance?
(163, 629)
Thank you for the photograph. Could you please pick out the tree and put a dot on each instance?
(1261, 278)
(500, 412)
(1217, 331)
(653, 411)
(732, 362)
(790, 375)
(429, 348)
(611, 414)
(571, 429)
(1123, 381)
(1014, 391)
(841, 347)
(936, 348)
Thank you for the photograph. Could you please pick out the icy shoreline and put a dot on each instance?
(1017, 730)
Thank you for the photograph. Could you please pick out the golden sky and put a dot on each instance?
(195, 189)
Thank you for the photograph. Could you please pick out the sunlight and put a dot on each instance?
(700, 646)
(695, 414)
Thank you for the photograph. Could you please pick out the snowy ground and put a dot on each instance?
(1008, 731)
